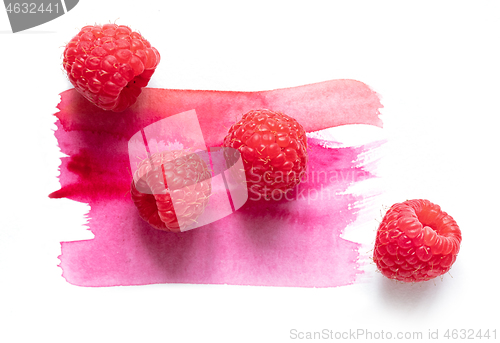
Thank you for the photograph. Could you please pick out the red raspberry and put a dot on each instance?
(188, 182)
(273, 147)
(109, 65)
(416, 241)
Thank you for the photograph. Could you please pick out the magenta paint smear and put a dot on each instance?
(289, 242)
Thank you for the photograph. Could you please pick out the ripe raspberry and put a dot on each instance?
(273, 147)
(109, 65)
(171, 189)
(416, 241)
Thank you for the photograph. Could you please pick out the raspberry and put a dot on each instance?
(171, 189)
(109, 65)
(273, 147)
(416, 241)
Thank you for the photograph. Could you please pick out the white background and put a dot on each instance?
(435, 65)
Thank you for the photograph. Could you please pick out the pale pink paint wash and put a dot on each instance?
(285, 243)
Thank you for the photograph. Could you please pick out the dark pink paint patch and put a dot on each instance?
(294, 242)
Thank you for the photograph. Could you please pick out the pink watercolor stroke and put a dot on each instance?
(294, 242)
